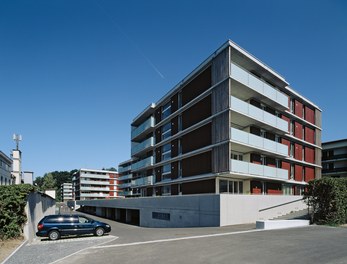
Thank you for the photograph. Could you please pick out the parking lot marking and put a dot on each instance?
(80, 251)
(176, 239)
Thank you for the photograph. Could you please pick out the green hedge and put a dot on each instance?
(327, 198)
(13, 199)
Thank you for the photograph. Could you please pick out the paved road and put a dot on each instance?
(234, 244)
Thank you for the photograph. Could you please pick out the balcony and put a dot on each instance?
(254, 141)
(97, 195)
(83, 188)
(124, 185)
(125, 177)
(258, 115)
(95, 176)
(138, 147)
(258, 170)
(137, 131)
(142, 181)
(123, 169)
(125, 193)
(259, 86)
(143, 163)
(95, 182)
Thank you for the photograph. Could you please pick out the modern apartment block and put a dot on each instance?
(66, 192)
(233, 126)
(335, 158)
(232, 143)
(95, 184)
(125, 179)
(5, 169)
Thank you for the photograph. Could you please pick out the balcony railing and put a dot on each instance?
(136, 148)
(258, 170)
(95, 176)
(95, 195)
(123, 169)
(95, 182)
(142, 181)
(143, 127)
(125, 177)
(258, 85)
(124, 185)
(83, 188)
(258, 114)
(125, 193)
(143, 163)
(258, 142)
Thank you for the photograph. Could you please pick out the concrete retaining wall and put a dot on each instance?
(240, 209)
(196, 210)
(38, 206)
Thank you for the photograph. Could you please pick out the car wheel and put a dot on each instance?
(99, 231)
(54, 235)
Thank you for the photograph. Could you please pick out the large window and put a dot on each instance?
(166, 172)
(166, 152)
(231, 186)
(166, 131)
(166, 111)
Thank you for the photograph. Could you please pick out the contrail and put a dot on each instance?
(130, 41)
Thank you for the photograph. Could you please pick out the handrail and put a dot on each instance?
(271, 207)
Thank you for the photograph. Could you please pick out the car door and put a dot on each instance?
(85, 225)
(69, 225)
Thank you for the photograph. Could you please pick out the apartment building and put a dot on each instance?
(91, 184)
(66, 191)
(232, 143)
(334, 159)
(5, 169)
(125, 179)
(233, 125)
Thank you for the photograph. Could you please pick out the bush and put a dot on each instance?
(327, 198)
(13, 199)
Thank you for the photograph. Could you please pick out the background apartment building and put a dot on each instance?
(335, 158)
(234, 126)
(5, 169)
(66, 191)
(95, 184)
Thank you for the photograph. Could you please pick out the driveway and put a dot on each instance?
(233, 244)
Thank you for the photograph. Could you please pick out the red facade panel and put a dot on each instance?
(286, 119)
(298, 152)
(309, 155)
(309, 135)
(298, 130)
(287, 143)
(298, 173)
(286, 166)
(309, 174)
(309, 114)
(298, 109)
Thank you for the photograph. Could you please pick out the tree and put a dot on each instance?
(49, 182)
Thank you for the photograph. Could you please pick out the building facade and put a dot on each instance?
(66, 192)
(232, 126)
(334, 159)
(125, 183)
(95, 184)
(5, 169)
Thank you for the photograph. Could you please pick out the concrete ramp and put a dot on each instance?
(280, 224)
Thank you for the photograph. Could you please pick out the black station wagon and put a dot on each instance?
(55, 226)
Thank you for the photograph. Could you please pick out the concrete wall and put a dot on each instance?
(241, 209)
(197, 210)
(38, 206)
(182, 211)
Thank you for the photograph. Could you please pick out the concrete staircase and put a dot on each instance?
(301, 214)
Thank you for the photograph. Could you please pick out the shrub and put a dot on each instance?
(327, 198)
(13, 199)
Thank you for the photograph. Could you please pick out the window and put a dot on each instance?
(230, 186)
(166, 174)
(166, 190)
(166, 110)
(292, 172)
(236, 156)
(166, 131)
(166, 152)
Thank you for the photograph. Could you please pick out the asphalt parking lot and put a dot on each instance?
(233, 244)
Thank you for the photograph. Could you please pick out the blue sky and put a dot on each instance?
(74, 73)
